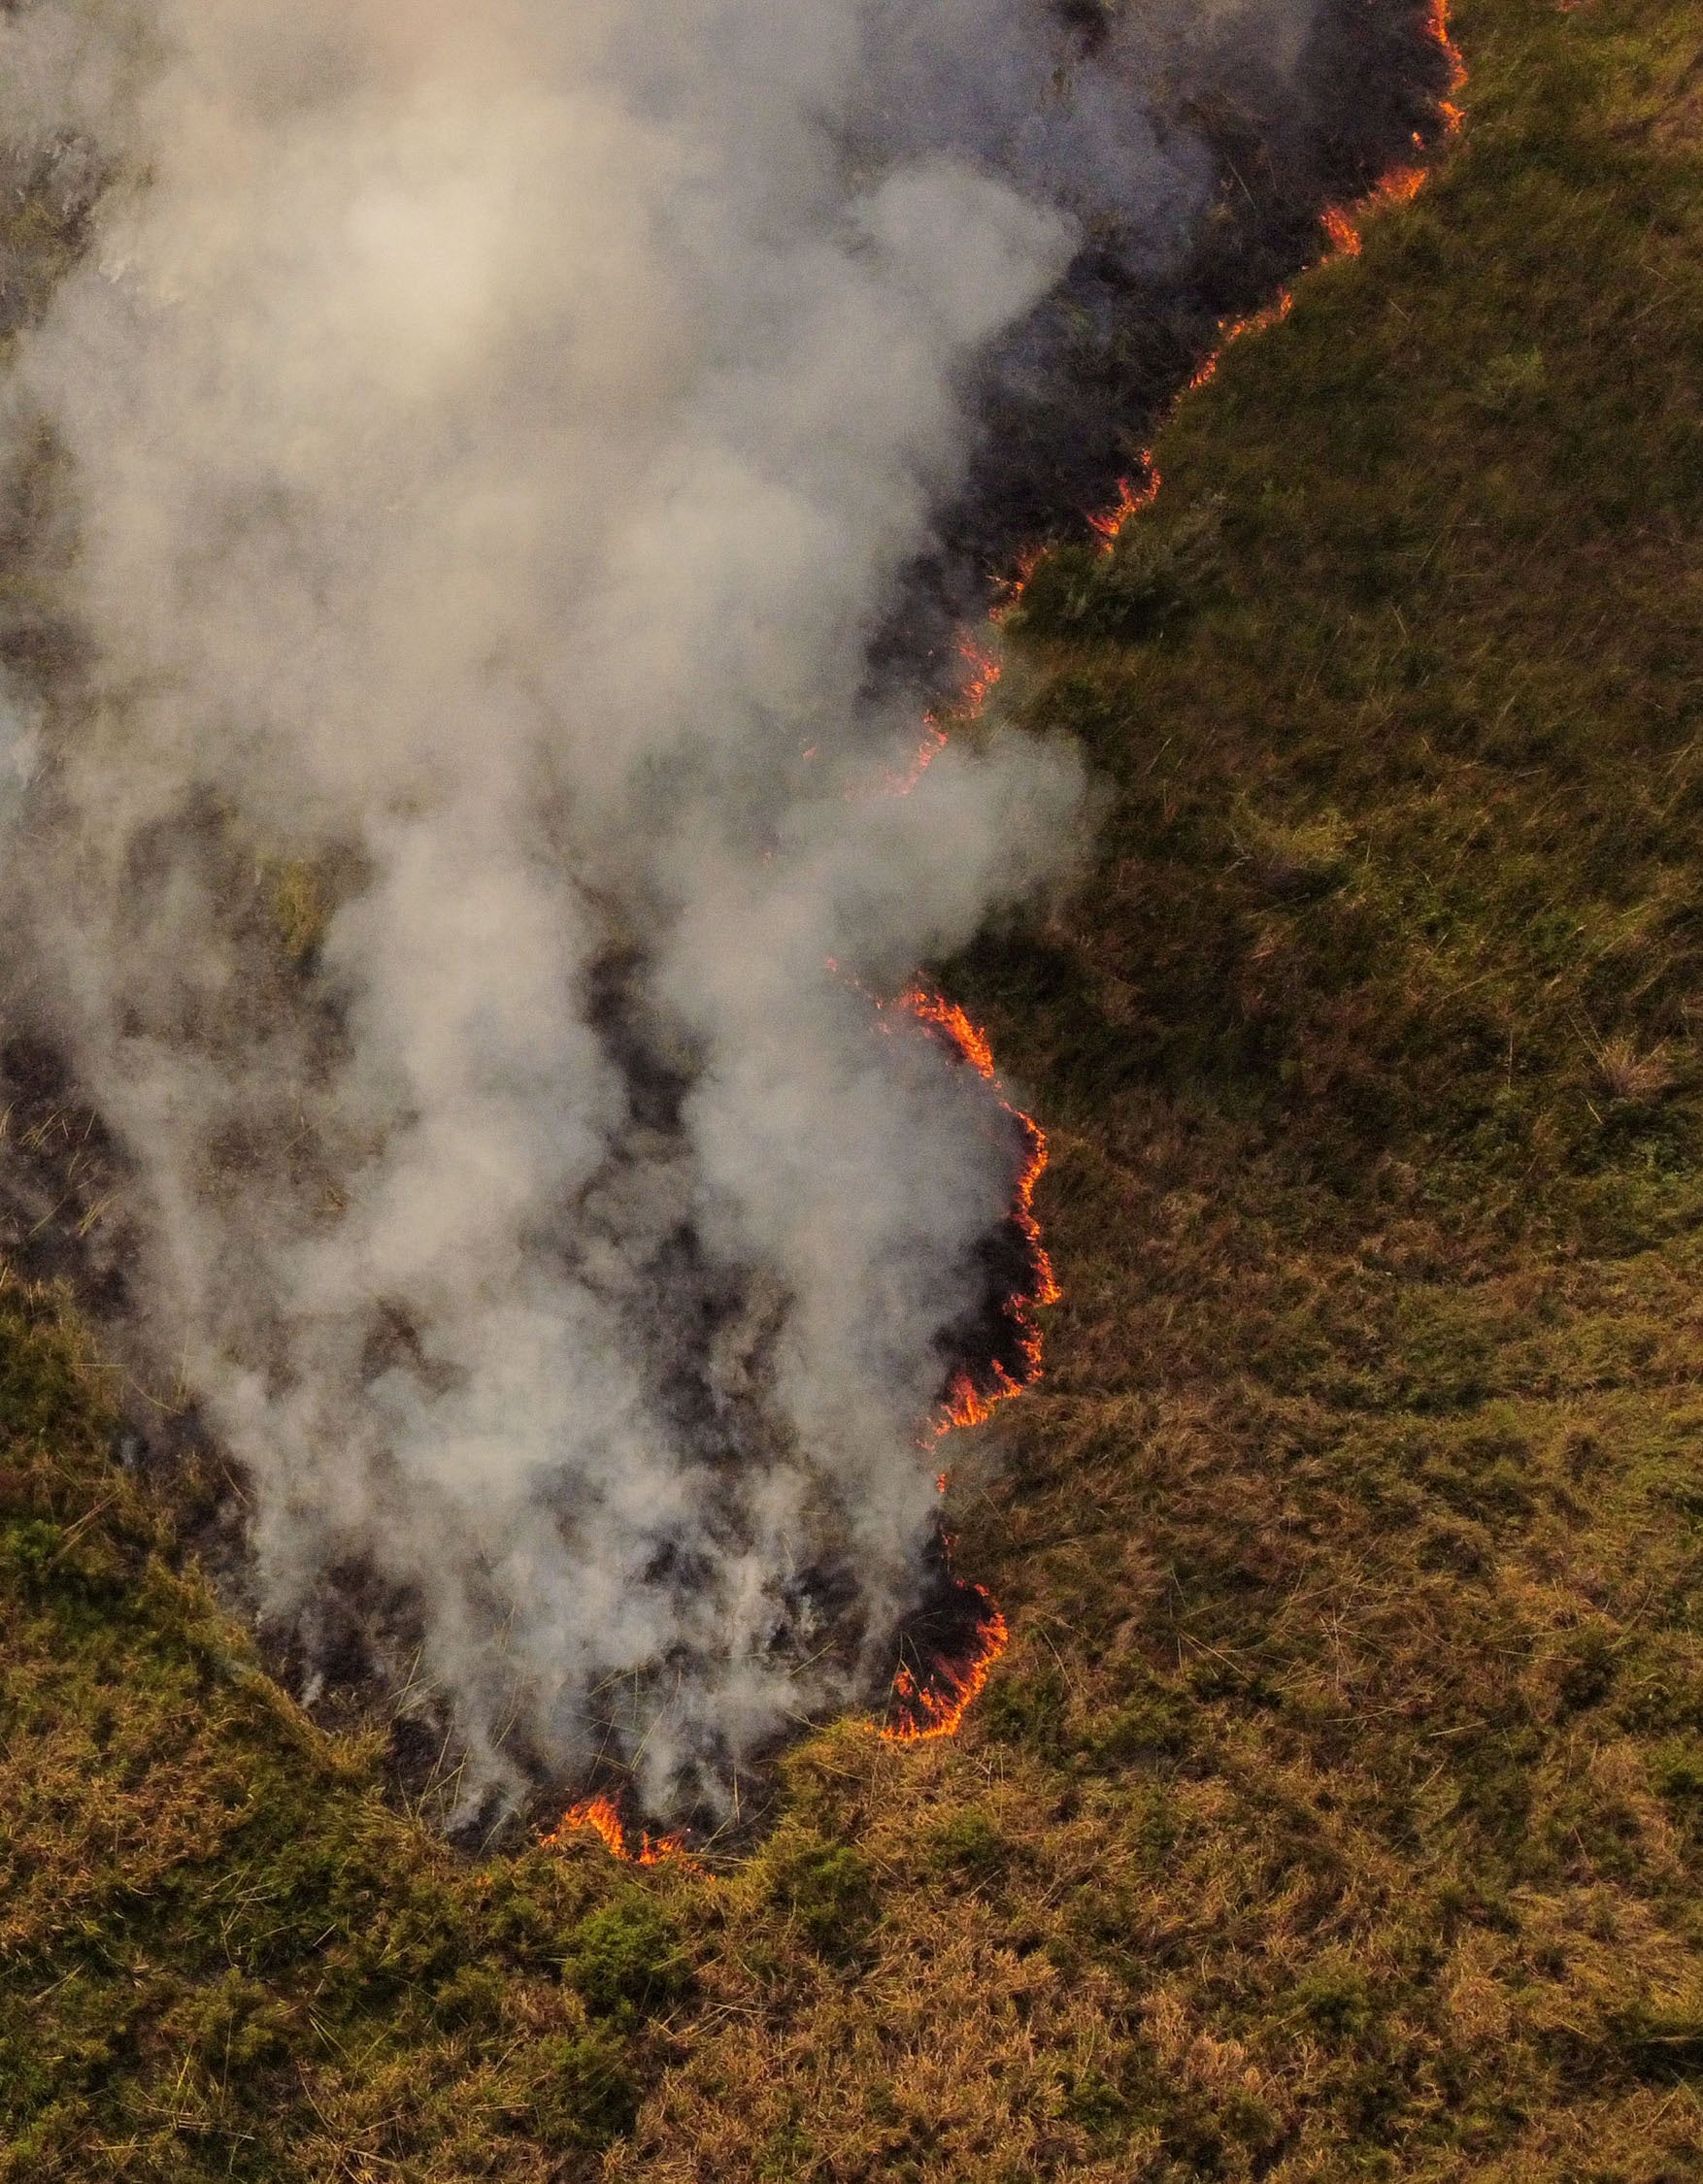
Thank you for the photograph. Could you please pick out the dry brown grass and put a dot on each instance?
(1628, 1073)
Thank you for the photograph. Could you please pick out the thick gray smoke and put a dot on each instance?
(460, 847)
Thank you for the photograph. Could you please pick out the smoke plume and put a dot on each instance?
(461, 790)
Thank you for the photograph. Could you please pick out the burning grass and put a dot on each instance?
(947, 1652)
(603, 1817)
(1334, 1808)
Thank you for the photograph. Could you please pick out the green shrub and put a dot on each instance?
(825, 1889)
(234, 2023)
(1025, 1709)
(969, 1844)
(1150, 1729)
(583, 2095)
(1678, 1775)
(470, 1997)
(1335, 2000)
(626, 1959)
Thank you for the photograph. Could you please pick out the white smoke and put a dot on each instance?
(493, 434)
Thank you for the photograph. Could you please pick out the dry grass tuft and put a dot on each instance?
(1638, 1078)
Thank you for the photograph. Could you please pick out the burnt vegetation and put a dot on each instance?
(1337, 1809)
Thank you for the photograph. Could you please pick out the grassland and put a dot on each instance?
(1336, 1812)
(222, 1954)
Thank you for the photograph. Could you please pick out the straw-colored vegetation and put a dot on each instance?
(1338, 1810)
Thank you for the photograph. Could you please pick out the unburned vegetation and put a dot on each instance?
(1337, 1810)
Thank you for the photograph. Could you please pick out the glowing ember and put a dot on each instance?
(1011, 588)
(981, 670)
(901, 784)
(1345, 236)
(602, 1816)
(1437, 30)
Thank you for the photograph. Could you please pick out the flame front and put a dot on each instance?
(933, 1702)
(965, 1404)
(1402, 184)
(929, 1699)
(919, 1710)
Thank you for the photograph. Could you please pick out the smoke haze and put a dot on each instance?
(473, 467)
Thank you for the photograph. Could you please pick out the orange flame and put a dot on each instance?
(1342, 223)
(983, 668)
(927, 751)
(918, 1712)
(1437, 31)
(1131, 500)
(1256, 323)
(1400, 187)
(966, 1404)
(922, 1706)
(1401, 184)
(1345, 236)
(1011, 588)
(947, 1017)
(602, 1815)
